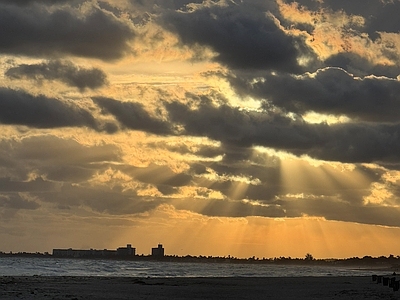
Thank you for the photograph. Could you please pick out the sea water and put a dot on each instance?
(21, 266)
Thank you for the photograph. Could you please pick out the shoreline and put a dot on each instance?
(101, 287)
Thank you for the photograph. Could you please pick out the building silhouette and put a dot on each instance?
(157, 252)
(122, 252)
(126, 251)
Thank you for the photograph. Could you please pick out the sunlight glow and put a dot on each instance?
(317, 118)
(189, 233)
(299, 176)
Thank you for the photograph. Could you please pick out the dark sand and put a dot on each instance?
(43, 287)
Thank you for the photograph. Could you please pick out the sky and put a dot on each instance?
(262, 128)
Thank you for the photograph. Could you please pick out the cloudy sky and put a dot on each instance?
(219, 127)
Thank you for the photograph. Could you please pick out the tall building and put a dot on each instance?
(157, 252)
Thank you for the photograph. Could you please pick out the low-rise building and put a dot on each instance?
(127, 251)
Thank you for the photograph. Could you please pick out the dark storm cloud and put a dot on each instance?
(242, 35)
(21, 108)
(245, 128)
(38, 32)
(64, 71)
(349, 142)
(133, 116)
(330, 91)
(360, 66)
(379, 15)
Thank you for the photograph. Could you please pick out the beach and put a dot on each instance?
(101, 287)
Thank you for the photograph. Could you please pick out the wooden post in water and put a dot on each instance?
(385, 281)
(391, 281)
(396, 285)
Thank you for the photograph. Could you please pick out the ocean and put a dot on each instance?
(21, 266)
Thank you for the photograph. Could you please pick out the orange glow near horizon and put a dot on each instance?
(191, 234)
(187, 233)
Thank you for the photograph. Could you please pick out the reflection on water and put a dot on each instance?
(19, 266)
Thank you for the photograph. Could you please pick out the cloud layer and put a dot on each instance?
(63, 71)
(41, 33)
(21, 108)
(115, 111)
(242, 36)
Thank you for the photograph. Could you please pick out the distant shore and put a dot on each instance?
(390, 263)
(79, 288)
